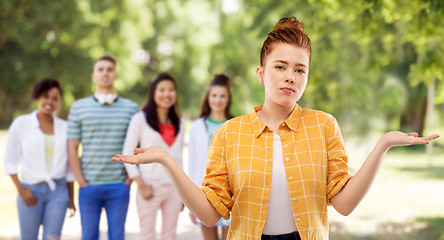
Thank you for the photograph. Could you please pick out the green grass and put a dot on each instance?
(404, 202)
(420, 228)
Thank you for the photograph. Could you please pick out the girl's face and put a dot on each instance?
(49, 102)
(218, 98)
(165, 94)
(284, 74)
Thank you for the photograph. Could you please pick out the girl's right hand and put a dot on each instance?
(27, 197)
(143, 156)
(146, 191)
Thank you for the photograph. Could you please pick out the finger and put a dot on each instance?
(118, 158)
(428, 138)
(431, 137)
(73, 212)
(129, 159)
(139, 150)
(125, 159)
(413, 134)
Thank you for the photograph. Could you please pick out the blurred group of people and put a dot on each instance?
(47, 149)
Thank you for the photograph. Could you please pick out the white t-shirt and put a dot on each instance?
(280, 218)
(25, 147)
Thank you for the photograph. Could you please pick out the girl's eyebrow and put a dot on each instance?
(297, 64)
(281, 61)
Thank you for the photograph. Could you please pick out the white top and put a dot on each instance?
(140, 134)
(49, 150)
(280, 218)
(25, 146)
(198, 151)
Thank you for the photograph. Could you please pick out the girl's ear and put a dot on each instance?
(259, 74)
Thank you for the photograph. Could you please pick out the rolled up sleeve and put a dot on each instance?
(337, 157)
(216, 183)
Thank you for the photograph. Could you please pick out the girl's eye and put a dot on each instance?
(300, 71)
(279, 67)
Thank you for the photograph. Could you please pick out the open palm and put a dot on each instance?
(142, 156)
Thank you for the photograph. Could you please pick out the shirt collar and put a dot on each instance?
(292, 121)
(34, 119)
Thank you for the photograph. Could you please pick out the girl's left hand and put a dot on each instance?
(143, 156)
(396, 138)
(71, 208)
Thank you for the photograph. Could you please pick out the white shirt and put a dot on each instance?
(197, 151)
(140, 134)
(279, 214)
(25, 146)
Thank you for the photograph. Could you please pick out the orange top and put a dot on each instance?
(239, 171)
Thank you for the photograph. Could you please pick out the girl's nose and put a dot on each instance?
(290, 79)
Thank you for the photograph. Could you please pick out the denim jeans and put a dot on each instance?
(49, 211)
(114, 198)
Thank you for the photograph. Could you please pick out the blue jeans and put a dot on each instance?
(49, 211)
(114, 198)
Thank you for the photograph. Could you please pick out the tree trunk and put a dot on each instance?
(413, 120)
(430, 120)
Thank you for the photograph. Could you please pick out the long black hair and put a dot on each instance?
(218, 80)
(150, 108)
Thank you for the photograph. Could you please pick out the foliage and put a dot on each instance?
(372, 59)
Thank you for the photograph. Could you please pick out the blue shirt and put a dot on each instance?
(101, 130)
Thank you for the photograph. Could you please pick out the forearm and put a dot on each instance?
(74, 161)
(346, 200)
(70, 186)
(18, 185)
(192, 196)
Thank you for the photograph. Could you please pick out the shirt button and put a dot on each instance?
(287, 159)
(282, 131)
(293, 199)
(283, 124)
(290, 178)
(298, 219)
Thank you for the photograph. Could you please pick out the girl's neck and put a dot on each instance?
(46, 123)
(217, 116)
(162, 115)
(273, 115)
(45, 118)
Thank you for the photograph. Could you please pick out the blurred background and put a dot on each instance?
(377, 65)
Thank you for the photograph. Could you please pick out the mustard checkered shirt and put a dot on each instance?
(238, 175)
